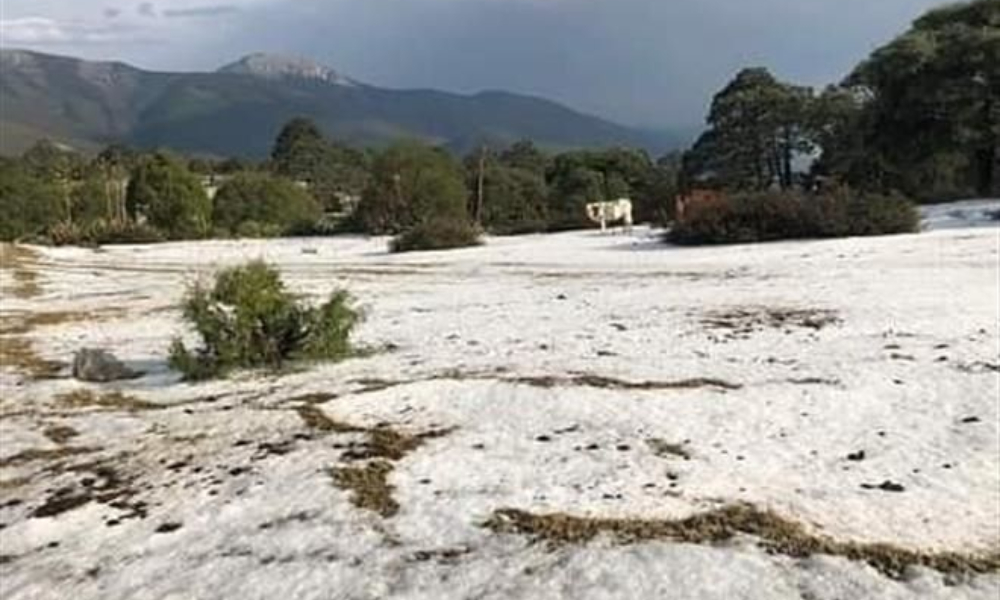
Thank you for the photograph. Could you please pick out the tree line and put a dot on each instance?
(920, 117)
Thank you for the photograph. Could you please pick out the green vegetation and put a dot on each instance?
(411, 183)
(250, 203)
(166, 193)
(920, 116)
(248, 319)
(767, 216)
(440, 233)
(28, 205)
(920, 119)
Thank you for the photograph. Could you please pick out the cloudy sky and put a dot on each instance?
(644, 62)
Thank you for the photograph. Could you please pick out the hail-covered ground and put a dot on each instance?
(565, 416)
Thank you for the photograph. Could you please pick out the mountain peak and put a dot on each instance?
(280, 66)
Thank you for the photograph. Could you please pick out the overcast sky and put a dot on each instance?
(642, 62)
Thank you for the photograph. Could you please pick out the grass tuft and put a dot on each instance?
(775, 534)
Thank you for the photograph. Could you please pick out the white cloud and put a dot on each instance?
(33, 31)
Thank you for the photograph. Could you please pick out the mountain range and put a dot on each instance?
(238, 109)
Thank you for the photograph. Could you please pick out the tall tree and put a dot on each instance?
(757, 126)
(412, 183)
(169, 197)
(935, 102)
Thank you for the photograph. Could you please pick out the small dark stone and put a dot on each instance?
(479, 446)
(100, 366)
(970, 420)
(237, 471)
(857, 456)
(561, 297)
(619, 327)
(543, 438)
(168, 527)
(592, 447)
(623, 447)
(885, 486)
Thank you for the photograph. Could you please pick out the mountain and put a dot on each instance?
(238, 110)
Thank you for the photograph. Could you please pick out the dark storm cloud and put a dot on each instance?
(147, 9)
(217, 10)
(650, 62)
(654, 62)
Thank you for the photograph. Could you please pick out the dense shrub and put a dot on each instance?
(169, 197)
(411, 183)
(249, 320)
(785, 215)
(514, 201)
(263, 205)
(28, 204)
(440, 233)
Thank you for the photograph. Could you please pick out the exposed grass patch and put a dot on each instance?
(382, 447)
(19, 324)
(316, 419)
(60, 434)
(83, 398)
(34, 455)
(774, 533)
(19, 354)
(609, 383)
(369, 486)
(20, 260)
(389, 444)
(743, 321)
(665, 449)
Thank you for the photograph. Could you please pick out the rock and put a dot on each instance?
(100, 366)
(856, 456)
(885, 486)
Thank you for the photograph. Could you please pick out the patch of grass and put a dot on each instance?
(382, 447)
(609, 383)
(316, 419)
(743, 321)
(774, 533)
(34, 455)
(389, 444)
(20, 261)
(665, 449)
(369, 486)
(19, 354)
(20, 324)
(60, 434)
(84, 398)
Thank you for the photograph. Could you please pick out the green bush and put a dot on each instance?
(410, 183)
(169, 197)
(785, 215)
(249, 320)
(439, 233)
(263, 205)
(28, 204)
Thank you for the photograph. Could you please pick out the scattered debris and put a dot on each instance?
(741, 323)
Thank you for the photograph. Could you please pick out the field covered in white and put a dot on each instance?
(567, 416)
